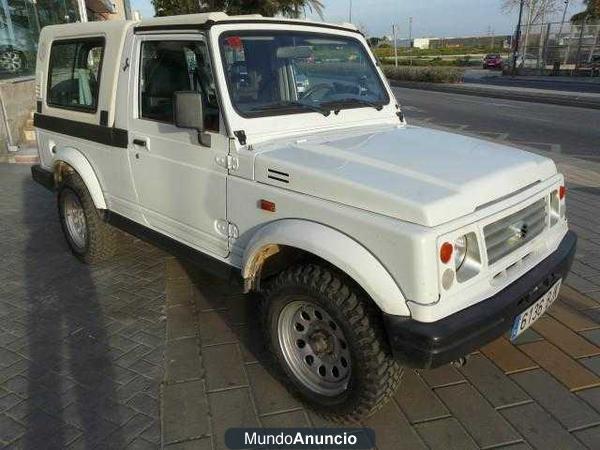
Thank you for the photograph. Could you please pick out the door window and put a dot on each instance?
(167, 67)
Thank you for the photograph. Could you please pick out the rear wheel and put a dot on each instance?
(328, 341)
(89, 237)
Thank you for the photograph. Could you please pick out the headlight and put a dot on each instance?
(460, 251)
(460, 258)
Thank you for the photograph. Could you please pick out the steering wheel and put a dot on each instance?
(318, 87)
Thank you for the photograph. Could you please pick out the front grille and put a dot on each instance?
(511, 232)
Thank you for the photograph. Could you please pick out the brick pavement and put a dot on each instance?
(81, 348)
(81, 362)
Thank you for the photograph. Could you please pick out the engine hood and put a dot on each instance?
(414, 174)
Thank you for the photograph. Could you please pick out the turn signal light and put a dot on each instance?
(446, 252)
(562, 191)
(266, 205)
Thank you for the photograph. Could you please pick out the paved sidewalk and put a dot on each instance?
(81, 348)
(543, 392)
(146, 351)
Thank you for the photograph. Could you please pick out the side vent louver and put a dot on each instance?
(278, 175)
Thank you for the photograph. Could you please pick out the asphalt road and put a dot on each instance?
(552, 128)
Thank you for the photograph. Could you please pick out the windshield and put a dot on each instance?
(272, 72)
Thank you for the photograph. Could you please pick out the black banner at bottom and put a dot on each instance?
(300, 438)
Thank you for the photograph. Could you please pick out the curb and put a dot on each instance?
(564, 100)
(19, 159)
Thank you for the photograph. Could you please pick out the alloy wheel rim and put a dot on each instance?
(75, 219)
(314, 347)
(11, 61)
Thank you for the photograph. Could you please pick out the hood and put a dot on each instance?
(414, 174)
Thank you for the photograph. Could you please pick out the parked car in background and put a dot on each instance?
(17, 49)
(527, 61)
(13, 59)
(493, 61)
(592, 66)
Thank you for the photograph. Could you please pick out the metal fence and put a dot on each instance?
(560, 46)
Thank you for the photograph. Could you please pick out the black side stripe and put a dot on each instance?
(205, 262)
(104, 118)
(115, 137)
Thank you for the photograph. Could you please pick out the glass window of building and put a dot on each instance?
(22, 20)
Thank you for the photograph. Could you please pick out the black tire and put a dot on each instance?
(101, 240)
(374, 374)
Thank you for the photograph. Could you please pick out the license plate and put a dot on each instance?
(535, 311)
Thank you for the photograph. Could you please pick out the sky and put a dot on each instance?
(431, 18)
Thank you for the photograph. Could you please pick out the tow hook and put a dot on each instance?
(460, 362)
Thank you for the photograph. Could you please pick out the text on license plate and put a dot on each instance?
(535, 311)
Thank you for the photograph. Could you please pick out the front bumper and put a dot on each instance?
(429, 345)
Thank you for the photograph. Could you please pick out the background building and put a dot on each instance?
(20, 25)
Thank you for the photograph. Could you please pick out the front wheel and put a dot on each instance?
(328, 340)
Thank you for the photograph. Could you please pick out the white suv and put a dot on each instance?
(375, 245)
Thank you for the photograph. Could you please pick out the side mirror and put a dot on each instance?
(189, 110)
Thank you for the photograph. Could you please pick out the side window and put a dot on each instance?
(170, 66)
(74, 74)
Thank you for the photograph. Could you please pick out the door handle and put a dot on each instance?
(139, 142)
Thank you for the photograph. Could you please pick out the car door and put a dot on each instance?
(180, 187)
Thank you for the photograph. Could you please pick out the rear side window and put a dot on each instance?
(74, 74)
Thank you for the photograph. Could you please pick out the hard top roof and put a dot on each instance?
(120, 26)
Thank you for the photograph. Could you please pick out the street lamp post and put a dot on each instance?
(517, 38)
(395, 45)
(562, 22)
(410, 23)
(560, 29)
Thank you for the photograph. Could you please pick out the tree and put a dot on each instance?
(592, 11)
(176, 7)
(536, 11)
(375, 41)
(270, 8)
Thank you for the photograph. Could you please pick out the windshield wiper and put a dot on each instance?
(278, 105)
(336, 105)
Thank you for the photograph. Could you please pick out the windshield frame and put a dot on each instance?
(290, 110)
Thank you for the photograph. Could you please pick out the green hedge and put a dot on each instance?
(424, 74)
(383, 52)
(466, 61)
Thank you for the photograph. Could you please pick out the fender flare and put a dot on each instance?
(335, 247)
(82, 166)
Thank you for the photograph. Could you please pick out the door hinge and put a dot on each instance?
(230, 162)
(227, 229)
(241, 135)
